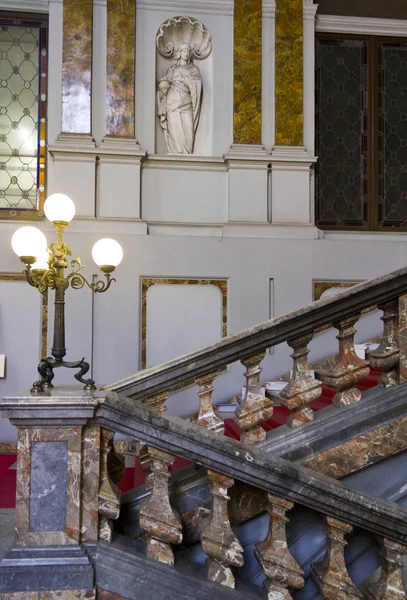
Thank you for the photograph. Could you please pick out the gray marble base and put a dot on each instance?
(122, 568)
(52, 568)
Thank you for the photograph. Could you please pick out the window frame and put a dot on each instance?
(372, 42)
(41, 21)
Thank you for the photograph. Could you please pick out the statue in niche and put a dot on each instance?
(179, 93)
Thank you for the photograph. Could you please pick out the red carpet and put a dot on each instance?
(7, 481)
(133, 477)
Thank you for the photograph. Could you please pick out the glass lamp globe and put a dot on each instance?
(28, 243)
(59, 207)
(41, 264)
(107, 252)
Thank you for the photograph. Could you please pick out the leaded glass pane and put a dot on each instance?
(22, 94)
(393, 135)
(341, 131)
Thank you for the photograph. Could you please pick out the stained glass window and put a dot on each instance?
(361, 133)
(23, 92)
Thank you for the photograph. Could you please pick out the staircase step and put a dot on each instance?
(123, 568)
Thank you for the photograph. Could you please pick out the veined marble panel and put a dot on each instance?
(289, 73)
(54, 595)
(120, 67)
(70, 533)
(362, 451)
(77, 66)
(247, 74)
(320, 287)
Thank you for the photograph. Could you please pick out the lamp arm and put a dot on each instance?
(77, 281)
(40, 279)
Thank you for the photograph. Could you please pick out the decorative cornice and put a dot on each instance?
(224, 7)
(361, 25)
(41, 6)
(269, 8)
(291, 155)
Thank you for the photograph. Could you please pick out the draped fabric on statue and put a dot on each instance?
(179, 107)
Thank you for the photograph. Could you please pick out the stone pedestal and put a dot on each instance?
(56, 516)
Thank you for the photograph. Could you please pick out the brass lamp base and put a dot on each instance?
(46, 370)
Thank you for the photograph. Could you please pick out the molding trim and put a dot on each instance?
(38, 6)
(223, 7)
(361, 25)
(148, 282)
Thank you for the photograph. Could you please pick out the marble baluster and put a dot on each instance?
(302, 388)
(158, 519)
(331, 575)
(218, 540)
(390, 584)
(109, 493)
(254, 408)
(386, 356)
(401, 336)
(207, 417)
(158, 401)
(281, 569)
(348, 369)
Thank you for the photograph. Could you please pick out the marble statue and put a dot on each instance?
(179, 93)
(179, 102)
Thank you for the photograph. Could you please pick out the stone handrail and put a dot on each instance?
(254, 340)
(249, 465)
(285, 484)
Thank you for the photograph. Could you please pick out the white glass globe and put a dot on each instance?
(42, 261)
(28, 241)
(59, 207)
(107, 252)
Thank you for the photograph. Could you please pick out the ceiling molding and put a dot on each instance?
(38, 6)
(361, 25)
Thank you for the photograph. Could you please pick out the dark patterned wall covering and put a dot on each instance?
(341, 89)
(393, 135)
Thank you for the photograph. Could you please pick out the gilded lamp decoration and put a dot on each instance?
(45, 269)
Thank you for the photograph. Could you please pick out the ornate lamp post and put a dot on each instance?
(45, 268)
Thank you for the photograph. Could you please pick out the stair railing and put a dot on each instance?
(284, 483)
(388, 293)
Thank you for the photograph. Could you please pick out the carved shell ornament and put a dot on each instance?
(178, 31)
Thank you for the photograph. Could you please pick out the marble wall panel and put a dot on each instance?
(120, 67)
(247, 74)
(362, 451)
(49, 469)
(54, 595)
(289, 73)
(77, 66)
(70, 534)
(90, 487)
(147, 283)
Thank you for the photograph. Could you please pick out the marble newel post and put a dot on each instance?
(292, 156)
(57, 495)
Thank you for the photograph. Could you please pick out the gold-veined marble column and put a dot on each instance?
(120, 67)
(247, 72)
(289, 73)
(77, 66)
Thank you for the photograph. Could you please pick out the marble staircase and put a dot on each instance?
(77, 538)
